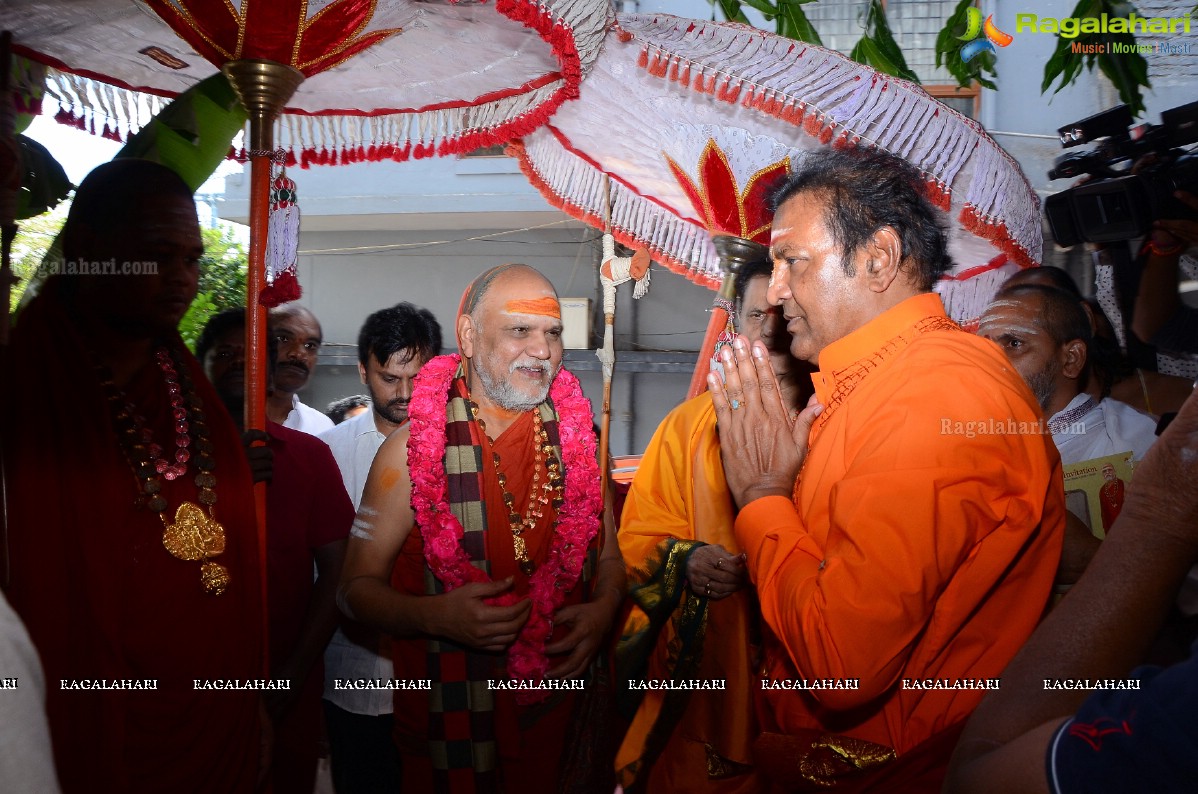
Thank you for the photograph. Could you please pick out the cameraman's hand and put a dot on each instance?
(1183, 232)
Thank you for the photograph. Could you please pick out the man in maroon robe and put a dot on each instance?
(120, 463)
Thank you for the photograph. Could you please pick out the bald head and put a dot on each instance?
(113, 201)
(510, 330)
(292, 310)
(1058, 312)
(132, 247)
(524, 276)
(1045, 334)
(1045, 276)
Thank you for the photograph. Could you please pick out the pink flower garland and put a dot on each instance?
(576, 525)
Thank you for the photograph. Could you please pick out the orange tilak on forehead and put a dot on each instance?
(542, 307)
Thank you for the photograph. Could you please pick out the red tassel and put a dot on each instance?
(674, 70)
(624, 36)
(734, 94)
(685, 79)
(825, 136)
(812, 126)
(643, 60)
(286, 288)
(750, 98)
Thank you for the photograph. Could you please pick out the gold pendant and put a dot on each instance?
(193, 537)
(214, 577)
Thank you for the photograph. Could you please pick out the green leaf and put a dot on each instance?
(879, 46)
(731, 11)
(799, 27)
(764, 6)
(867, 52)
(197, 316)
(1128, 72)
(948, 51)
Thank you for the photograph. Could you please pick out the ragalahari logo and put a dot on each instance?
(974, 28)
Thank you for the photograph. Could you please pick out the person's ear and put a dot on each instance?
(883, 255)
(1073, 362)
(362, 373)
(465, 329)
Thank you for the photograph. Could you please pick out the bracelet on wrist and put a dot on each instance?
(1153, 247)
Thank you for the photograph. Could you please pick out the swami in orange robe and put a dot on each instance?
(679, 494)
(529, 740)
(919, 549)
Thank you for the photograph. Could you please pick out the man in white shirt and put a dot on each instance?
(299, 336)
(1046, 335)
(26, 760)
(393, 345)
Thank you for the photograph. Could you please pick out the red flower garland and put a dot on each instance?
(577, 522)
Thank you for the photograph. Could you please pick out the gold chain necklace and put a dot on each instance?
(194, 536)
(541, 492)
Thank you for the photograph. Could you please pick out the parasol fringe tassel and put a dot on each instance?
(969, 297)
(98, 108)
(564, 171)
(573, 29)
(997, 233)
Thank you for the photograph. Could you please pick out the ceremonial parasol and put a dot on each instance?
(694, 122)
(386, 80)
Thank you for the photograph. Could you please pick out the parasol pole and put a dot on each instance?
(8, 231)
(608, 354)
(9, 183)
(263, 88)
(614, 271)
(734, 253)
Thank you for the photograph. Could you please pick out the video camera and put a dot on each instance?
(1116, 204)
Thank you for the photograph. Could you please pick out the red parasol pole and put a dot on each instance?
(10, 182)
(734, 253)
(263, 88)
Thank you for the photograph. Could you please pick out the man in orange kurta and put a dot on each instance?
(676, 537)
(916, 550)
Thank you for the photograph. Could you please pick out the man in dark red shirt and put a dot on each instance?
(308, 515)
